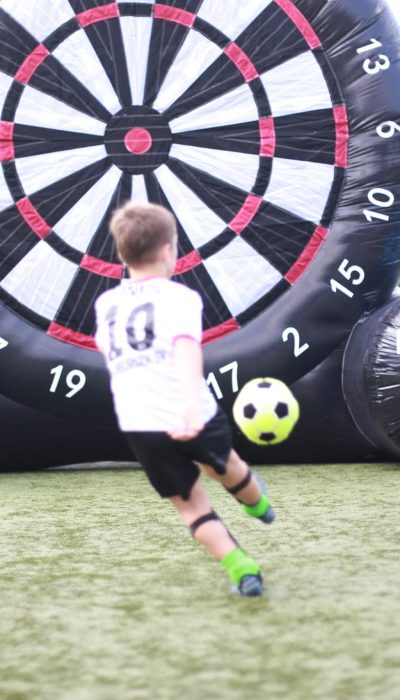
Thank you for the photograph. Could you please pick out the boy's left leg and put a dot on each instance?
(210, 531)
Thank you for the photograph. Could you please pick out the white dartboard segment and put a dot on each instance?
(5, 83)
(241, 275)
(300, 187)
(136, 32)
(296, 86)
(234, 107)
(39, 171)
(82, 220)
(235, 17)
(37, 109)
(36, 18)
(78, 56)
(184, 71)
(40, 280)
(200, 223)
(5, 197)
(139, 192)
(238, 169)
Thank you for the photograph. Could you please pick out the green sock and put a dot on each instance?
(238, 564)
(259, 508)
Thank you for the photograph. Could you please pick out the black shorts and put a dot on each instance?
(171, 466)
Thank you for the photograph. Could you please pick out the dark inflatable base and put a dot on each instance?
(33, 440)
(325, 432)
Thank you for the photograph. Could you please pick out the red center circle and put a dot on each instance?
(138, 141)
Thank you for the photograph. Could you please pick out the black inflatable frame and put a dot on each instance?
(301, 337)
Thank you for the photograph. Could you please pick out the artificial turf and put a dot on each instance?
(103, 594)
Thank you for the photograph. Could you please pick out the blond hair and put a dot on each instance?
(140, 230)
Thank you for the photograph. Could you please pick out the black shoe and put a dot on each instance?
(251, 585)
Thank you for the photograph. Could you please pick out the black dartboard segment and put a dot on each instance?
(238, 122)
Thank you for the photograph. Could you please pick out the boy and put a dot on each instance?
(149, 330)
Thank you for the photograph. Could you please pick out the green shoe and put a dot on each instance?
(263, 509)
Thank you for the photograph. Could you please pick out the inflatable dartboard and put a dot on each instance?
(270, 128)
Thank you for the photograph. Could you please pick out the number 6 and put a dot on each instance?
(388, 129)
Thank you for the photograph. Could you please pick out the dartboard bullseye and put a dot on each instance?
(138, 140)
(240, 122)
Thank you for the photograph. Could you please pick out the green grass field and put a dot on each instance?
(104, 596)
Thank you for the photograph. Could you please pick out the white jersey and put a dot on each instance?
(137, 325)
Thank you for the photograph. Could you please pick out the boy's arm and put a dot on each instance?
(189, 363)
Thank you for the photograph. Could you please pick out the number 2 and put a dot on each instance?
(298, 349)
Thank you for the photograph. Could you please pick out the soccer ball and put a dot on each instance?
(266, 411)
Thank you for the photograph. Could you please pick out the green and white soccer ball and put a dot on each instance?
(266, 411)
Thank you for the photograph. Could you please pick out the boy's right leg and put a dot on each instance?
(210, 531)
(248, 488)
(171, 471)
